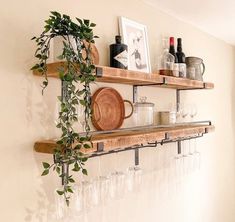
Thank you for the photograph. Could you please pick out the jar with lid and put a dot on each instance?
(143, 112)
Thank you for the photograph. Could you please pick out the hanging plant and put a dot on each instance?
(77, 68)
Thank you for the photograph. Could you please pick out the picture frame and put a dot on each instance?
(135, 37)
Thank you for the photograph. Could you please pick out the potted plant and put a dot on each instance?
(77, 68)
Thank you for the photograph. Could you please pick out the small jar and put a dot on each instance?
(143, 112)
(167, 118)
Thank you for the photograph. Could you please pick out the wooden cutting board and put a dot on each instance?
(108, 109)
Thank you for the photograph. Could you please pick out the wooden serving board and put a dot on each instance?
(108, 109)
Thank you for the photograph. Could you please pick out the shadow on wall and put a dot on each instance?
(43, 208)
(40, 111)
(41, 211)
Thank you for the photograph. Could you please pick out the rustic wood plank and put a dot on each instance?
(52, 69)
(122, 76)
(48, 146)
(123, 139)
(128, 77)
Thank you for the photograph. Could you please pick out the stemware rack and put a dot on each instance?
(107, 142)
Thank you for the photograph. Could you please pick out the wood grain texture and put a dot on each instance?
(122, 139)
(108, 109)
(122, 76)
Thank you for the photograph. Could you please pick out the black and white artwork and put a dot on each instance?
(135, 36)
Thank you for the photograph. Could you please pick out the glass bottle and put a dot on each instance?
(118, 54)
(172, 51)
(166, 61)
(172, 48)
(180, 55)
(181, 59)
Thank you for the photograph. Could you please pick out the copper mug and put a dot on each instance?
(195, 68)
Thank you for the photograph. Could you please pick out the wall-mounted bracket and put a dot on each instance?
(100, 147)
(99, 72)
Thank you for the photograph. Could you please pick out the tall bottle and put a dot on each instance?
(166, 60)
(118, 54)
(172, 48)
(181, 59)
(180, 55)
(172, 52)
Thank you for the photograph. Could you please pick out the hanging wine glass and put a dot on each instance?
(193, 111)
(184, 111)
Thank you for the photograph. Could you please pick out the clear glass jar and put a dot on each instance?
(143, 112)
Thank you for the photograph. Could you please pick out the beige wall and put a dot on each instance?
(26, 116)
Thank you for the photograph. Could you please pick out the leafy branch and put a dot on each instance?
(79, 68)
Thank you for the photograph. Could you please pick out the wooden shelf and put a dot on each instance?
(121, 76)
(134, 137)
(121, 139)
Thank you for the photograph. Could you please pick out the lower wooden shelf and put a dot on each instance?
(124, 138)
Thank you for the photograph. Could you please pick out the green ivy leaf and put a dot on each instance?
(82, 139)
(45, 172)
(84, 159)
(82, 102)
(70, 190)
(84, 171)
(45, 165)
(92, 24)
(87, 146)
(35, 67)
(86, 22)
(59, 142)
(58, 170)
(67, 202)
(76, 167)
(60, 192)
(45, 83)
(57, 14)
(71, 180)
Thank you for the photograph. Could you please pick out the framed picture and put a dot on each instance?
(135, 36)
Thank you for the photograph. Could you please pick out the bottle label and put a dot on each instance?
(122, 58)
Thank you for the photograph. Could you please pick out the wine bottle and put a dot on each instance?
(181, 59)
(172, 52)
(118, 54)
(172, 49)
(180, 55)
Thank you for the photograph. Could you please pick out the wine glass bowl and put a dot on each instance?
(193, 111)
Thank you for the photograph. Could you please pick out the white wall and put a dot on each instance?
(26, 116)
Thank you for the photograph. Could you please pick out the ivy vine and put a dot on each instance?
(77, 68)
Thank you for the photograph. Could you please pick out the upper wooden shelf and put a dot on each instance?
(122, 76)
(121, 139)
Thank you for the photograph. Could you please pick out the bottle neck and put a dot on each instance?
(179, 45)
(172, 45)
(118, 39)
(172, 49)
(179, 48)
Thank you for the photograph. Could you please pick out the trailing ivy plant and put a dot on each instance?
(77, 68)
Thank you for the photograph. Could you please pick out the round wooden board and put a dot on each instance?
(108, 109)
